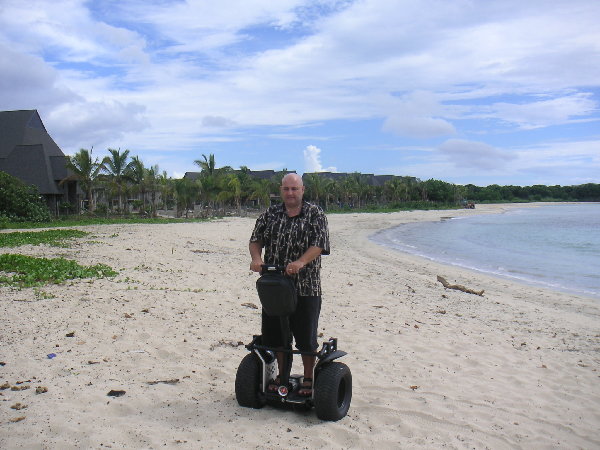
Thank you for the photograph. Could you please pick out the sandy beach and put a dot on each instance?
(517, 367)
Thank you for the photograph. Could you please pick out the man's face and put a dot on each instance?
(292, 191)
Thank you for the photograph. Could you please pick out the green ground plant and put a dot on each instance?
(29, 271)
(55, 238)
(84, 221)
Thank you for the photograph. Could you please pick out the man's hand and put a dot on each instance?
(294, 267)
(256, 255)
(256, 265)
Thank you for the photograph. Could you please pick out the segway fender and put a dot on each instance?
(331, 356)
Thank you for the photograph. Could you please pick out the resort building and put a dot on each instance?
(28, 153)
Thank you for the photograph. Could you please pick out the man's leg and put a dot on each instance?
(304, 325)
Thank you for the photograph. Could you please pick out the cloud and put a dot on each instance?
(312, 160)
(412, 116)
(217, 122)
(476, 155)
(546, 112)
(36, 87)
(86, 124)
(418, 127)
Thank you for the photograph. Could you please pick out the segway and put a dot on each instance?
(332, 380)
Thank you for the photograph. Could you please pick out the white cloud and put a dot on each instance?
(474, 155)
(546, 112)
(253, 67)
(312, 160)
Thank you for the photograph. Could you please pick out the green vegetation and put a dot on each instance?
(28, 271)
(49, 237)
(538, 193)
(121, 187)
(19, 202)
(75, 221)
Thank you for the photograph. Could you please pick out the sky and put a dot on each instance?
(466, 91)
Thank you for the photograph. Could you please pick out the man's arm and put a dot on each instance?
(308, 256)
(256, 255)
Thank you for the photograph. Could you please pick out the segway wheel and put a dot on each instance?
(247, 383)
(333, 391)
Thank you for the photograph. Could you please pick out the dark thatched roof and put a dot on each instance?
(29, 153)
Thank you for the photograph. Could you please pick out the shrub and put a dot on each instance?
(19, 202)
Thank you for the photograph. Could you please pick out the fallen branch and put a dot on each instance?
(173, 381)
(458, 287)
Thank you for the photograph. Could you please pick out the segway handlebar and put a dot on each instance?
(272, 268)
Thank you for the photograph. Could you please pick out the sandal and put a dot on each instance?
(306, 390)
(273, 385)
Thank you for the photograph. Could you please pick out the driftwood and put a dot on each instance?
(458, 287)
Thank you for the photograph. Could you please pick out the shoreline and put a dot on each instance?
(515, 368)
(505, 276)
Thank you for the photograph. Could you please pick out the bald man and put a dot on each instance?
(293, 234)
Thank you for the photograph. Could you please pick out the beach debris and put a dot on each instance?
(5, 386)
(41, 390)
(93, 362)
(113, 393)
(128, 316)
(18, 406)
(2, 363)
(71, 334)
(172, 381)
(51, 355)
(200, 251)
(250, 305)
(414, 387)
(224, 343)
(458, 287)
(17, 419)
(19, 388)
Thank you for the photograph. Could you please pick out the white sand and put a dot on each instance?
(432, 368)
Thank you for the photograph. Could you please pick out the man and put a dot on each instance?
(294, 234)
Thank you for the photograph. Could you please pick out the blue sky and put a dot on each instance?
(465, 91)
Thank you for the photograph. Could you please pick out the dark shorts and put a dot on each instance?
(303, 323)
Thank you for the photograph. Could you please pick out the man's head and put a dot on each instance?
(292, 190)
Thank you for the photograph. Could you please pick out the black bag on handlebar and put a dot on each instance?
(277, 294)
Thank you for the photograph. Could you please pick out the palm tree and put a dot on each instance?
(210, 178)
(315, 186)
(117, 167)
(186, 192)
(261, 191)
(135, 174)
(396, 189)
(166, 188)
(86, 171)
(208, 165)
(231, 190)
(151, 184)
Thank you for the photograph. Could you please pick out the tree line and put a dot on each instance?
(217, 188)
(119, 184)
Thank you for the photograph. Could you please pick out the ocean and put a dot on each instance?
(554, 246)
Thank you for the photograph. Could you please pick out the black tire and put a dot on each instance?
(333, 391)
(247, 383)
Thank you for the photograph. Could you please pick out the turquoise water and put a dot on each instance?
(554, 246)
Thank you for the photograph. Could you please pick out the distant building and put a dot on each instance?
(260, 174)
(29, 153)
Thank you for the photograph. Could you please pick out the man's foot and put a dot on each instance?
(273, 385)
(306, 388)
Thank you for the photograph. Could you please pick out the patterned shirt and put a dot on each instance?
(286, 239)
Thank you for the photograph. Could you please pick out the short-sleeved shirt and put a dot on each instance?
(286, 239)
